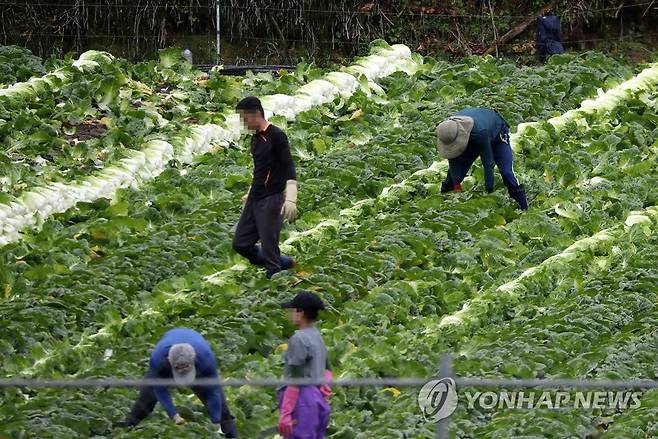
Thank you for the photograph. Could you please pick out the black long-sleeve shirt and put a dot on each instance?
(273, 164)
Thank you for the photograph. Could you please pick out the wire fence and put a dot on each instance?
(355, 43)
(548, 383)
(445, 371)
(427, 11)
(285, 34)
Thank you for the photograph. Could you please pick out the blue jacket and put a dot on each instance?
(204, 363)
(487, 129)
(548, 37)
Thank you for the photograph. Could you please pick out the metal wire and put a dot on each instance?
(156, 37)
(356, 382)
(355, 43)
(314, 11)
(317, 42)
(557, 383)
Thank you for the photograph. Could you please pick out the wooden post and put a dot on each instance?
(493, 23)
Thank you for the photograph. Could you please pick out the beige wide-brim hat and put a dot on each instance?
(452, 136)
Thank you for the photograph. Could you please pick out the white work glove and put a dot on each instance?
(289, 209)
(178, 419)
(245, 196)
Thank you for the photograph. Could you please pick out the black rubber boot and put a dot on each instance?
(518, 194)
(447, 186)
(229, 428)
(127, 423)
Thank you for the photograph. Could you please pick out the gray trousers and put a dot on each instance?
(261, 220)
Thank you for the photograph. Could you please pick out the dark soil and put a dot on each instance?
(88, 129)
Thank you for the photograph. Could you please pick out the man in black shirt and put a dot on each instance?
(272, 196)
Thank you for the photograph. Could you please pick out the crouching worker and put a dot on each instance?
(272, 196)
(304, 411)
(184, 355)
(473, 133)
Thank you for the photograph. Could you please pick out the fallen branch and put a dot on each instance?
(518, 29)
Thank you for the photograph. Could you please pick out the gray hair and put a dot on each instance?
(181, 355)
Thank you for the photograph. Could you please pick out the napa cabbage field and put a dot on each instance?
(120, 184)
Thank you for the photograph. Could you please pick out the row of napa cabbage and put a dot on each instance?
(382, 319)
(526, 296)
(167, 205)
(98, 117)
(20, 93)
(606, 315)
(168, 197)
(34, 206)
(385, 308)
(596, 321)
(18, 64)
(173, 307)
(52, 241)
